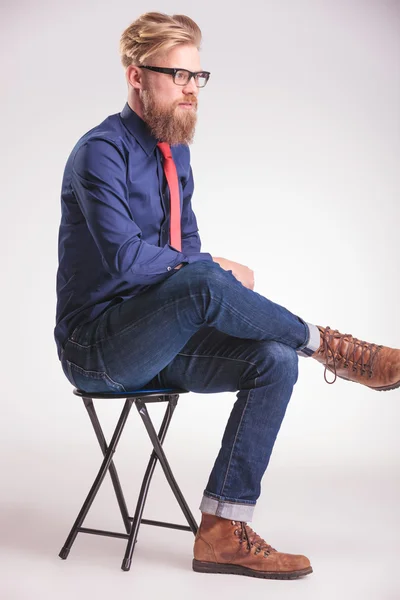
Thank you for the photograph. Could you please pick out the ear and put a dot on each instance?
(134, 76)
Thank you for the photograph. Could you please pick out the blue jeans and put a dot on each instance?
(203, 331)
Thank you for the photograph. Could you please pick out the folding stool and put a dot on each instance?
(140, 398)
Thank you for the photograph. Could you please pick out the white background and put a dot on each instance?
(296, 163)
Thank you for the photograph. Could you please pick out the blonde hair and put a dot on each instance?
(155, 32)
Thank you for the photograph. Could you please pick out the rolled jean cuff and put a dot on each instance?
(227, 510)
(313, 343)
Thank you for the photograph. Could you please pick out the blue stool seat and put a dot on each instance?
(140, 398)
(129, 394)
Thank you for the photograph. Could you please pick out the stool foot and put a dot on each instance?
(64, 553)
(126, 564)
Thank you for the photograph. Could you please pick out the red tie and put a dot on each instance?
(173, 184)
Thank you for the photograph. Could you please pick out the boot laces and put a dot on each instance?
(353, 345)
(253, 540)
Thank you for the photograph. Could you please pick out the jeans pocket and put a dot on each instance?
(91, 381)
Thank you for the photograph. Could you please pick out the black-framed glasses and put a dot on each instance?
(182, 76)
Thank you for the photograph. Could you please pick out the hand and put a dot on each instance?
(242, 273)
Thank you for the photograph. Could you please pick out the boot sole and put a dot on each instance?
(384, 388)
(226, 569)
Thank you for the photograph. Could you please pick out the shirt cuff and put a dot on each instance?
(197, 256)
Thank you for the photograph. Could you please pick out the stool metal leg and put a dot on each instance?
(113, 471)
(158, 453)
(137, 519)
(99, 479)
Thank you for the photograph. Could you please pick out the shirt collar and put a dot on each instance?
(139, 129)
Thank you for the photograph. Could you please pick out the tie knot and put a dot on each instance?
(165, 149)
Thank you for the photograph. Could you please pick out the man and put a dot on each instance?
(139, 304)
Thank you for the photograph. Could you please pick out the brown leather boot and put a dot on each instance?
(225, 546)
(377, 367)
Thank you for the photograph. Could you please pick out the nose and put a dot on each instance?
(191, 87)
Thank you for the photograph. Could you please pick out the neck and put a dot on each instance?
(135, 103)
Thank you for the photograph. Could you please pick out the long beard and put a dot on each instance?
(169, 123)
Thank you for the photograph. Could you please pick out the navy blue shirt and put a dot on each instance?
(114, 231)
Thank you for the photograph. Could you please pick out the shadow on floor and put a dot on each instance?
(29, 530)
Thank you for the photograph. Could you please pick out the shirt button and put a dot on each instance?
(169, 268)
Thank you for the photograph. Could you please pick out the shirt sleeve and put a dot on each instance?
(99, 184)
